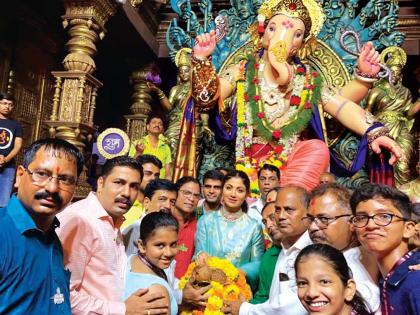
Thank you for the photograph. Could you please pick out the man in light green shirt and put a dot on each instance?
(154, 143)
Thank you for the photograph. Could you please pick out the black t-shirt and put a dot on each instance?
(9, 131)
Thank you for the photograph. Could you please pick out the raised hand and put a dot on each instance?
(368, 61)
(205, 45)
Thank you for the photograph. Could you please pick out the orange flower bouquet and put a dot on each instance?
(226, 281)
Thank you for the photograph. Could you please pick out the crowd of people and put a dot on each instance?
(124, 248)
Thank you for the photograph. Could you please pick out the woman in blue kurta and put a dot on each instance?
(230, 233)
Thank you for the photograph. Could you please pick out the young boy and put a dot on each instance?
(383, 224)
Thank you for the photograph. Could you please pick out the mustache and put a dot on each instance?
(124, 200)
(45, 194)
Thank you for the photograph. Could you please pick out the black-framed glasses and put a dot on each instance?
(322, 221)
(188, 194)
(380, 219)
(43, 177)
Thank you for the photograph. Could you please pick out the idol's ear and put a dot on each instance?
(308, 47)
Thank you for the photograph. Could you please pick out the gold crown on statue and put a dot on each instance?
(183, 57)
(393, 56)
(309, 11)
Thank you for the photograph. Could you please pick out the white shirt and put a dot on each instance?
(255, 209)
(364, 283)
(283, 297)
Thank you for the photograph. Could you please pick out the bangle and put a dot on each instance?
(161, 95)
(364, 79)
(376, 133)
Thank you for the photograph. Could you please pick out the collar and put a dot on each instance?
(300, 244)
(354, 251)
(21, 218)
(258, 204)
(99, 212)
(161, 140)
(273, 251)
(402, 271)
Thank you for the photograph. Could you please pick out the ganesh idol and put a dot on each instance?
(278, 96)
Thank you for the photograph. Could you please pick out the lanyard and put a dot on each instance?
(159, 272)
(385, 307)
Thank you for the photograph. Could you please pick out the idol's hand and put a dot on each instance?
(205, 44)
(368, 61)
(390, 145)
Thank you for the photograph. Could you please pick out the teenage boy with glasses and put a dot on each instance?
(383, 224)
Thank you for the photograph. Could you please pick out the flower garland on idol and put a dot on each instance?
(250, 114)
(219, 293)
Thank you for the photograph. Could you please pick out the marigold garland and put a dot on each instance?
(236, 285)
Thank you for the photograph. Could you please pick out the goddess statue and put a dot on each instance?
(277, 97)
(391, 103)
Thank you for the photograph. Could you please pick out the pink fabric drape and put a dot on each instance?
(305, 164)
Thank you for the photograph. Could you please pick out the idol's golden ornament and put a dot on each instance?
(392, 105)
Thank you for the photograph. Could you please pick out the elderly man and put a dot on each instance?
(328, 222)
(290, 207)
(32, 275)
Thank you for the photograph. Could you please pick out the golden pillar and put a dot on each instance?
(136, 123)
(76, 88)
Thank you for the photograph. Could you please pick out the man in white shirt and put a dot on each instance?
(328, 223)
(268, 178)
(291, 206)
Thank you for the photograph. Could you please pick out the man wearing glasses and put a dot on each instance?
(10, 145)
(328, 222)
(185, 205)
(383, 224)
(32, 275)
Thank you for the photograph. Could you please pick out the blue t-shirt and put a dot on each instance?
(402, 289)
(32, 275)
(135, 281)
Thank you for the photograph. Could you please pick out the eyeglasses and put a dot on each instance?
(189, 194)
(380, 219)
(42, 178)
(322, 222)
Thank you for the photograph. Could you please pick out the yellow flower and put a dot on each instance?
(226, 266)
(214, 303)
(231, 293)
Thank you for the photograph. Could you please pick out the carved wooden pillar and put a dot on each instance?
(76, 88)
(136, 123)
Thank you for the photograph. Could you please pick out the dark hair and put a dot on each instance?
(186, 179)
(213, 174)
(338, 263)
(222, 168)
(266, 205)
(271, 168)
(158, 184)
(148, 158)
(6, 96)
(415, 216)
(53, 144)
(341, 193)
(123, 161)
(305, 195)
(153, 115)
(155, 220)
(245, 180)
(374, 191)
